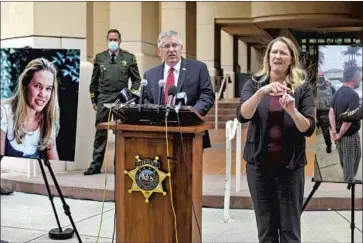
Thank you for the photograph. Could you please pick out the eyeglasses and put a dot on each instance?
(167, 46)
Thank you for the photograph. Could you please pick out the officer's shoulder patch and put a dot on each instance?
(125, 51)
(134, 58)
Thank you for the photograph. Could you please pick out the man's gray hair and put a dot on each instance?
(350, 73)
(168, 33)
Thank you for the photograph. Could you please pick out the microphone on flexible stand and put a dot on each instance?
(180, 100)
(160, 94)
(125, 95)
(142, 91)
(121, 97)
(171, 94)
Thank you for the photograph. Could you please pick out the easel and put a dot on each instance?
(57, 233)
(351, 187)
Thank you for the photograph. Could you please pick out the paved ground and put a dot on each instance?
(28, 218)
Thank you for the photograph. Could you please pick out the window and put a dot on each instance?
(303, 48)
(329, 40)
(338, 41)
(321, 41)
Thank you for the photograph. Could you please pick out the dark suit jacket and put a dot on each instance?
(194, 80)
(294, 141)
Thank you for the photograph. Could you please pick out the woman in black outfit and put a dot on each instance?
(279, 104)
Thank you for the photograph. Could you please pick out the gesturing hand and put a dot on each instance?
(274, 88)
(287, 102)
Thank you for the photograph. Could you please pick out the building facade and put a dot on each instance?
(221, 34)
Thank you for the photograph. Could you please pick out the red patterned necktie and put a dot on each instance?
(169, 81)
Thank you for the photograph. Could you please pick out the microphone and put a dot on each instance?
(142, 91)
(120, 97)
(128, 97)
(136, 95)
(171, 93)
(160, 94)
(180, 100)
(125, 95)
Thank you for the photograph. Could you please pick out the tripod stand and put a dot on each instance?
(351, 187)
(58, 233)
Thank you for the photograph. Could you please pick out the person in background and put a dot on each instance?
(325, 93)
(346, 134)
(278, 103)
(111, 72)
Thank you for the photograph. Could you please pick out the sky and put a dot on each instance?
(334, 57)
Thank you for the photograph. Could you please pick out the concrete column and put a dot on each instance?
(227, 62)
(138, 23)
(44, 25)
(28, 24)
(242, 56)
(98, 23)
(256, 60)
(181, 17)
(206, 36)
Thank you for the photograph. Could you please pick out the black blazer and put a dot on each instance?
(294, 141)
(194, 80)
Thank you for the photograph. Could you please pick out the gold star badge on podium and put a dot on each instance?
(146, 177)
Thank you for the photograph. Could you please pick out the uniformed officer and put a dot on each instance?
(111, 72)
(325, 96)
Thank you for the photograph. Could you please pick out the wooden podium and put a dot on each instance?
(138, 221)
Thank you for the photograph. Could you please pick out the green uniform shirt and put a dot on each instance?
(111, 78)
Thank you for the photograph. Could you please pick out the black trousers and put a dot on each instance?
(323, 121)
(277, 194)
(99, 145)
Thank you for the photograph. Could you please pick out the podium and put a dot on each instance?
(142, 140)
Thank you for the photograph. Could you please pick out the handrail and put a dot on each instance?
(231, 128)
(218, 96)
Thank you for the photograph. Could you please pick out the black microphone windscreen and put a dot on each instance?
(172, 90)
(125, 95)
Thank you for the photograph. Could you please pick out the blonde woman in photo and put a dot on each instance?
(30, 119)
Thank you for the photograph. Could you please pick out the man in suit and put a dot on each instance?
(111, 72)
(189, 76)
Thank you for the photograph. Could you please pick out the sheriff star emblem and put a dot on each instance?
(146, 177)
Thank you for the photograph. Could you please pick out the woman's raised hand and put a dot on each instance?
(274, 88)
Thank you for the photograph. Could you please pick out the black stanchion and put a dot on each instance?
(58, 233)
(315, 187)
(351, 186)
(352, 224)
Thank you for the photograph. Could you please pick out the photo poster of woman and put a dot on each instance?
(339, 89)
(39, 102)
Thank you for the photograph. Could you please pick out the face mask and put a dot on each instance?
(112, 45)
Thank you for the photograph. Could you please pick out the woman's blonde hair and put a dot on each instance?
(49, 118)
(296, 74)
